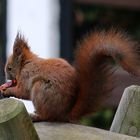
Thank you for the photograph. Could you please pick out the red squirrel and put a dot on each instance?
(64, 92)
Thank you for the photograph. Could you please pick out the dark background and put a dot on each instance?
(2, 38)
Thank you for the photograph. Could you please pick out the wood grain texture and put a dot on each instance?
(127, 118)
(15, 123)
(67, 131)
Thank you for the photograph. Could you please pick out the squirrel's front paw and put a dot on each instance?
(5, 93)
(35, 117)
(1, 96)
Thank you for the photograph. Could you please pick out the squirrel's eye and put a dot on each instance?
(9, 68)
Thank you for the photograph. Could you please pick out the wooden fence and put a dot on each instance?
(15, 123)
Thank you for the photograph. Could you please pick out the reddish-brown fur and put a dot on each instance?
(62, 92)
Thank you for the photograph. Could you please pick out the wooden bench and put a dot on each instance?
(16, 124)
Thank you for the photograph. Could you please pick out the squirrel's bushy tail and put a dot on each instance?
(94, 65)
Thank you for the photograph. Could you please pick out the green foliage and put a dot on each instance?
(91, 17)
(104, 17)
(102, 119)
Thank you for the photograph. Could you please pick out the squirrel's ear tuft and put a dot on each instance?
(20, 44)
(20, 48)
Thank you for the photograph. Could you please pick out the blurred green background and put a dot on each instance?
(90, 17)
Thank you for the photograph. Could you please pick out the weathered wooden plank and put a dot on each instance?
(15, 123)
(67, 131)
(127, 118)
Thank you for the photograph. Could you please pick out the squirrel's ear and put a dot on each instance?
(20, 47)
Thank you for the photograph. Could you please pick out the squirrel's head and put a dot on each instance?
(16, 61)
